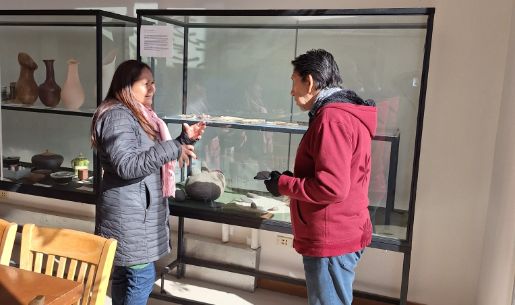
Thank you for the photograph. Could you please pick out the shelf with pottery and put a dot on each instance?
(44, 176)
(12, 105)
(56, 67)
(24, 94)
(45, 170)
(63, 179)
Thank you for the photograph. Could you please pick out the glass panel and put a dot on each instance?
(118, 44)
(32, 122)
(60, 44)
(239, 67)
(240, 154)
(385, 65)
(168, 73)
(29, 134)
(229, 69)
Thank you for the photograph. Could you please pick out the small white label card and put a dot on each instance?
(156, 40)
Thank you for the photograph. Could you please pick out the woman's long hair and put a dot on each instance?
(120, 91)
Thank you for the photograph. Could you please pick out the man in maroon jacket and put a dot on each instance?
(329, 188)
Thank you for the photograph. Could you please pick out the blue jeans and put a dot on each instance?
(132, 286)
(329, 279)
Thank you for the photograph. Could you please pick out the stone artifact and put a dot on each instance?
(205, 186)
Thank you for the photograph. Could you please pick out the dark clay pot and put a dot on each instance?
(47, 160)
(11, 160)
(49, 92)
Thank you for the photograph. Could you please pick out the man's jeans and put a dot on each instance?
(329, 279)
(132, 286)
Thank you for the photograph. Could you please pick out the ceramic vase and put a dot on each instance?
(72, 93)
(108, 67)
(49, 91)
(26, 91)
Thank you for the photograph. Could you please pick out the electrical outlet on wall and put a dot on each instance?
(284, 241)
(3, 195)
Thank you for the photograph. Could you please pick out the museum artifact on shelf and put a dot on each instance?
(47, 160)
(205, 186)
(62, 177)
(49, 90)
(26, 87)
(72, 93)
(80, 163)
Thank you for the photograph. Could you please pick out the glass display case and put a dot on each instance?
(56, 67)
(232, 69)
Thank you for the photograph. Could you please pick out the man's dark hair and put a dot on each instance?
(322, 67)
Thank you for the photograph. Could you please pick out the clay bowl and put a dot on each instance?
(62, 177)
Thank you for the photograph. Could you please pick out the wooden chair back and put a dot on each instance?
(7, 236)
(70, 254)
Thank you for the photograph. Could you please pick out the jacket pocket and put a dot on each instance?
(299, 213)
(145, 199)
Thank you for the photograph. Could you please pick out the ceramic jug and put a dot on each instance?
(49, 91)
(26, 91)
(72, 93)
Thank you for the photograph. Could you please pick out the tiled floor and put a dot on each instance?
(221, 295)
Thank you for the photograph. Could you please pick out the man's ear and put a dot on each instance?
(311, 83)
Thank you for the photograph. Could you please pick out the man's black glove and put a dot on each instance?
(288, 173)
(272, 183)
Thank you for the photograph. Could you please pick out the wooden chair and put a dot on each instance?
(7, 235)
(78, 256)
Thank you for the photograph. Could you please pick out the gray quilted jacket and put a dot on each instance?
(131, 208)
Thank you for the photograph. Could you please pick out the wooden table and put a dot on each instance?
(19, 287)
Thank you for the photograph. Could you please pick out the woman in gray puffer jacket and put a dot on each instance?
(138, 158)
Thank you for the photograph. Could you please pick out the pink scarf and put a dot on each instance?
(168, 169)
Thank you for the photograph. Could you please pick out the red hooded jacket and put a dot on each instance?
(329, 190)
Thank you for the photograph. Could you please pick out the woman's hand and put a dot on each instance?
(186, 153)
(195, 131)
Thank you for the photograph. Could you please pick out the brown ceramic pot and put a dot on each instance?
(26, 87)
(47, 160)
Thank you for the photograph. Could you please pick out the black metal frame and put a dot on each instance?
(380, 242)
(60, 192)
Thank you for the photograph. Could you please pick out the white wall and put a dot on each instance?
(453, 261)
(498, 260)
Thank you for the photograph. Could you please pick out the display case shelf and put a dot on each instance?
(45, 109)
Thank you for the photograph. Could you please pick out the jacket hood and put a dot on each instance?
(349, 101)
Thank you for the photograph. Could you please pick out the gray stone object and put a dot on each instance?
(205, 186)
